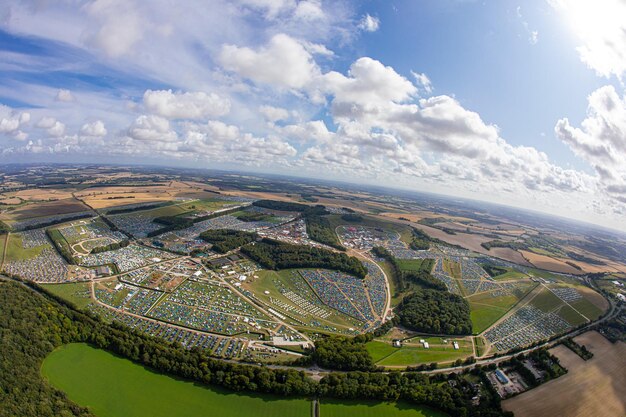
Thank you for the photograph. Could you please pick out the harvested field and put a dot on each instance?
(46, 209)
(551, 264)
(596, 387)
(38, 194)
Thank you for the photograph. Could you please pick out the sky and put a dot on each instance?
(517, 103)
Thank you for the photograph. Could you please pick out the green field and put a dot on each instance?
(77, 292)
(373, 409)
(483, 316)
(114, 387)
(415, 354)
(486, 310)
(15, 251)
(411, 264)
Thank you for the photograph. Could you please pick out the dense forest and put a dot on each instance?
(112, 246)
(343, 353)
(278, 255)
(320, 230)
(253, 216)
(438, 312)
(32, 325)
(225, 240)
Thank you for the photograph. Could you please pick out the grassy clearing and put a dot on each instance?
(15, 251)
(77, 293)
(379, 350)
(483, 316)
(330, 408)
(114, 387)
(479, 342)
(411, 264)
(587, 308)
(546, 300)
(413, 353)
(511, 274)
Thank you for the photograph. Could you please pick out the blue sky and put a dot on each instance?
(510, 102)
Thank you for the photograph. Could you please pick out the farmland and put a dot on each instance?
(596, 387)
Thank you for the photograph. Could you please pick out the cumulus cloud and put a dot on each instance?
(11, 121)
(189, 105)
(95, 129)
(601, 137)
(369, 23)
(64, 96)
(283, 62)
(368, 83)
(152, 128)
(273, 114)
(52, 126)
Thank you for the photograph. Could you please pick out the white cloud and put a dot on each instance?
(601, 27)
(423, 82)
(601, 138)
(120, 27)
(284, 62)
(64, 96)
(11, 121)
(189, 105)
(369, 23)
(153, 129)
(53, 127)
(273, 114)
(368, 83)
(96, 129)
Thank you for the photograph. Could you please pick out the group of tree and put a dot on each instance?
(352, 217)
(494, 270)
(225, 240)
(320, 230)
(433, 311)
(141, 207)
(4, 227)
(253, 216)
(503, 244)
(404, 279)
(33, 325)
(62, 246)
(275, 255)
(343, 353)
(111, 246)
(57, 220)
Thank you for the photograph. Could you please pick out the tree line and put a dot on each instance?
(225, 240)
(275, 255)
